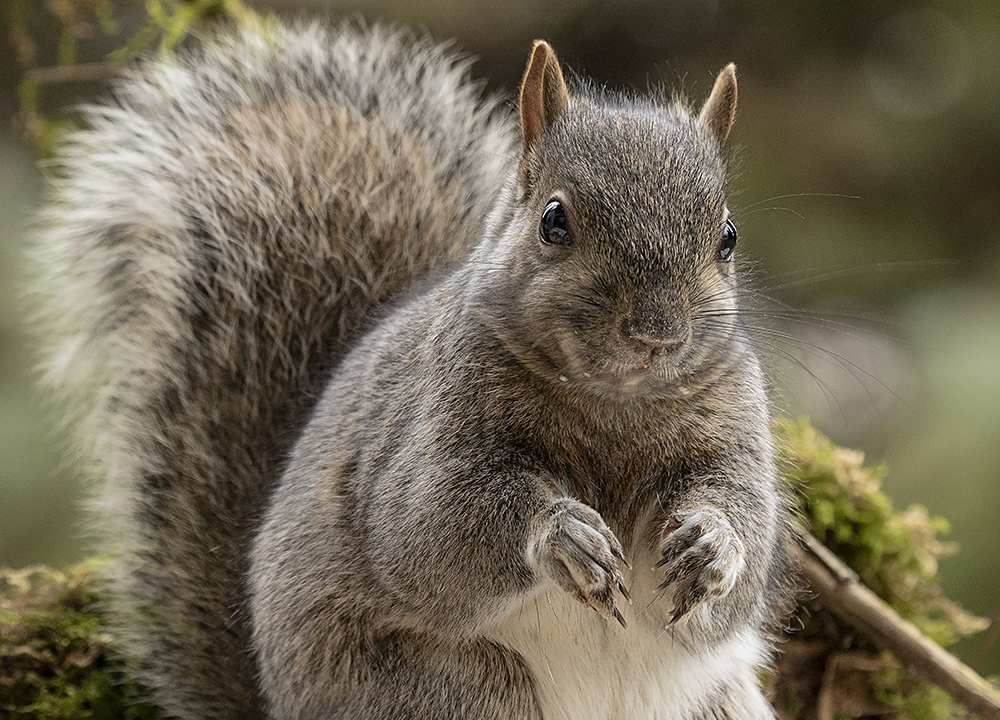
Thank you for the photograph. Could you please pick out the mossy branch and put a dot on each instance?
(56, 660)
(839, 589)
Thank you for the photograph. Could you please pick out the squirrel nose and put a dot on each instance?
(657, 324)
(657, 345)
(660, 338)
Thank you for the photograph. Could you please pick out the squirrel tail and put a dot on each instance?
(212, 242)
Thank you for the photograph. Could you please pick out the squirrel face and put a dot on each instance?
(617, 252)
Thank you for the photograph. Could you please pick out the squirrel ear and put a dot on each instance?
(543, 93)
(719, 111)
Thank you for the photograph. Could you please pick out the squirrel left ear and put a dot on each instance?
(544, 96)
(719, 111)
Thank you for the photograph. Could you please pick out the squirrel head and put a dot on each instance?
(610, 256)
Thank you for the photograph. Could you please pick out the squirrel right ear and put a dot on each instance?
(719, 111)
(544, 96)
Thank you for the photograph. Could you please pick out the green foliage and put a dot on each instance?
(44, 133)
(55, 661)
(75, 19)
(168, 23)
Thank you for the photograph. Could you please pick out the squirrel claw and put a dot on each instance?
(576, 549)
(703, 557)
(619, 618)
(670, 578)
(624, 590)
(617, 551)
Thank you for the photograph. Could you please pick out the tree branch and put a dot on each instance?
(840, 591)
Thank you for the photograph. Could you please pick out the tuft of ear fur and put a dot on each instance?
(544, 96)
(719, 111)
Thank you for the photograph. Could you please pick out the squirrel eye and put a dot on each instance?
(728, 243)
(552, 228)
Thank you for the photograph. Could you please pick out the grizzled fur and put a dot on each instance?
(217, 234)
(482, 465)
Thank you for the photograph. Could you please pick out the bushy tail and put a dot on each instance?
(212, 242)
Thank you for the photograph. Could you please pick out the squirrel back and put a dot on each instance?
(214, 241)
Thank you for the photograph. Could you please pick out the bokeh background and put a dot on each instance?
(866, 191)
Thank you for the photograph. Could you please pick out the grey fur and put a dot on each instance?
(216, 236)
(216, 241)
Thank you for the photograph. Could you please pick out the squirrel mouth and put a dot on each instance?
(640, 370)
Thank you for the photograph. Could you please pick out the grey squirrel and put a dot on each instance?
(385, 404)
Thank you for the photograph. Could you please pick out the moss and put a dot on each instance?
(55, 660)
(895, 553)
(912, 698)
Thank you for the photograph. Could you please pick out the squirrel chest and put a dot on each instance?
(587, 668)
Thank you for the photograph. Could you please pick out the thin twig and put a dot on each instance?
(841, 592)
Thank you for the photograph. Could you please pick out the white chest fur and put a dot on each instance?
(587, 668)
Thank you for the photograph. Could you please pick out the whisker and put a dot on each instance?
(819, 351)
(798, 195)
(828, 391)
(796, 213)
(897, 265)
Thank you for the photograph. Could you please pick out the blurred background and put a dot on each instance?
(866, 191)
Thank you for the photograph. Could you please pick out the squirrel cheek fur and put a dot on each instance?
(541, 487)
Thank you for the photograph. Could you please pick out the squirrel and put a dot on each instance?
(399, 413)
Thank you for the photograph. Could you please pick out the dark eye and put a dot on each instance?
(552, 228)
(728, 243)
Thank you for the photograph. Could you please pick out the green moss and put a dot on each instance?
(55, 659)
(895, 553)
(914, 699)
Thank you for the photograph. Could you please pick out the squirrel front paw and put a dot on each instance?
(575, 548)
(702, 557)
